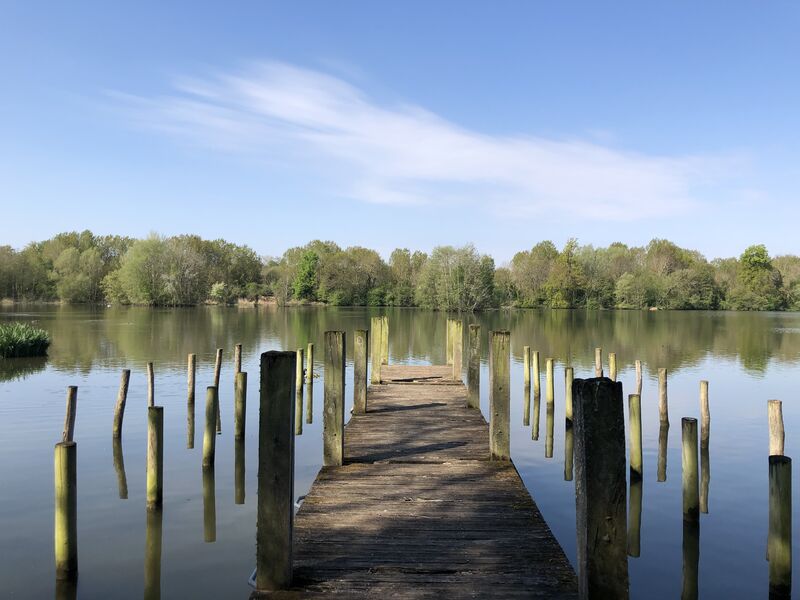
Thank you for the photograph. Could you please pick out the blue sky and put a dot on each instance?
(403, 124)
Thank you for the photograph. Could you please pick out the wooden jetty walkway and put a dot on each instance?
(418, 510)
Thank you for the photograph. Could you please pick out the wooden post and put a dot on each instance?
(776, 433)
(239, 405)
(537, 389)
(152, 554)
(209, 505)
(238, 471)
(499, 395)
(598, 362)
(779, 541)
(151, 392)
(69, 416)
(569, 450)
(600, 489)
(569, 376)
(526, 366)
(705, 417)
(209, 436)
(549, 431)
(275, 471)
(638, 364)
(635, 518)
(385, 341)
(691, 492)
(705, 434)
(119, 467)
(298, 394)
(122, 397)
(310, 363)
(155, 456)
(550, 395)
(663, 437)
(66, 510)
(458, 349)
(375, 354)
(309, 402)
(217, 369)
(191, 371)
(612, 366)
(298, 375)
(333, 402)
(449, 341)
(474, 368)
(635, 435)
(663, 409)
(360, 353)
(237, 359)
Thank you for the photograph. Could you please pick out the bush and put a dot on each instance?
(22, 339)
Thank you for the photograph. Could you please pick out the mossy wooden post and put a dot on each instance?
(66, 510)
(569, 376)
(779, 540)
(122, 397)
(151, 385)
(776, 432)
(237, 359)
(217, 369)
(238, 471)
(298, 394)
(550, 395)
(638, 364)
(333, 402)
(275, 471)
(360, 353)
(499, 395)
(209, 505)
(612, 366)
(310, 363)
(598, 362)
(191, 371)
(600, 489)
(691, 491)
(375, 351)
(705, 435)
(209, 436)
(239, 405)
(663, 407)
(663, 437)
(474, 367)
(635, 435)
(635, 518)
(526, 366)
(155, 456)
(385, 341)
(152, 554)
(119, 467)
(458, 349)
(70, 413)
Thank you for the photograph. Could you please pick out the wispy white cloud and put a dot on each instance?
(404, 154)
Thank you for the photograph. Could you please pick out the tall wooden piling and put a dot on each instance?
(449, 341)
(569, 376)
(155, 456)
(310, 363)
(209, 435)
(360, 354)
(663, 408)
(276, 471)
(663, 438)
(385, 340)
(237, 359)
(612, 366)
(691, 490)
(598, 362)
(191, 371)
(779, 540)
(309, 403)
(550, 395)
(119, 408)
(298, 394)
(635, 435)
(776, 432)
(376, 324)
(638, 365)
(333, 402)
(298, 375)
(217, 369)
(69, 415)
(600, 489)
(239, 405)
(474, 367)
(705, 435)
(458, 349)
(526, 366)
(66, 510)
(705, 415)
(151, 384)
(499, 395)
(536, 375)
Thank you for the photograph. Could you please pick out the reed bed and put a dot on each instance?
(23, 339)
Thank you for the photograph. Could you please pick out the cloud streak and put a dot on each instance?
(404, 154)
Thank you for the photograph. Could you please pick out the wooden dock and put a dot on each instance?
(418, 510)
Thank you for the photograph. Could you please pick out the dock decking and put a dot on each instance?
(418, 510)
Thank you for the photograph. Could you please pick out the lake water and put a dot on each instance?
(747, 359)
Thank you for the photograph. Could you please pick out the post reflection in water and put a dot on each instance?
(569, 452)
(526, 406)
(310, 402)
(691, 559)
(119, 467)
(298, 410)
(550, 426)
(537, 401)
(635, 518)
(66, 589)
(239, 469)
(705, 476)
(190, 425)
(152, 554)
(209, 506)
(663, 436)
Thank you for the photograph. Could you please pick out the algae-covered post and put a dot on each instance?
(333, 402)
(474, 367)
(499, 395)
(66, 510)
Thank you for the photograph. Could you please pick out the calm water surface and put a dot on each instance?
(747, 358)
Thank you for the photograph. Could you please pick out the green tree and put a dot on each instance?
(305, 282)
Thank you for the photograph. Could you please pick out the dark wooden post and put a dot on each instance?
(474, 368)
(500, 395)
(333, 402)
(122, 396)
(240, 405)
(275, 471)
(360, 354)
(155, 456)
(600, 489)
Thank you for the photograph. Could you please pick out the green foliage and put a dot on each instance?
(758, 285)
(22, 339)
(305, 282)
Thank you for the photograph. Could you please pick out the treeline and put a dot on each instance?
(187, 270)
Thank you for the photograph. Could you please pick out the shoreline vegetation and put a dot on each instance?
(187, 270)
(22, 340)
